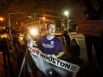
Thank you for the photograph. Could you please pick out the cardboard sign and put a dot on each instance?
(90, 27)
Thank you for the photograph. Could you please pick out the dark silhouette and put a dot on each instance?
(73, 56)
(20, 49)
(92, 40)
(4, 44)
(67, 38)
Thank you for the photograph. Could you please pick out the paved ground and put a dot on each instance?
(90, 71)
(81, 40)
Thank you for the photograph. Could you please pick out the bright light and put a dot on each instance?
(66, 13)
(5, 35)
(44, 18)
(34, 31)
(1, 18)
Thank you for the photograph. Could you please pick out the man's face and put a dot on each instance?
(51, 29)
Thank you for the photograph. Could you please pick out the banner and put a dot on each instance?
(90, 27)
(49, 66)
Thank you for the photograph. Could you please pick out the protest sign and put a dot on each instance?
(49, 66)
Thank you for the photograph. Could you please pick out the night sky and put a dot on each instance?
(57, 6)
(76, 7)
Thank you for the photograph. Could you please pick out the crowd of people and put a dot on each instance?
(49, 44)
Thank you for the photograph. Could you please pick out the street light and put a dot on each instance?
(1, 23)
(44, 19)
(1, 19)
(66, 13)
